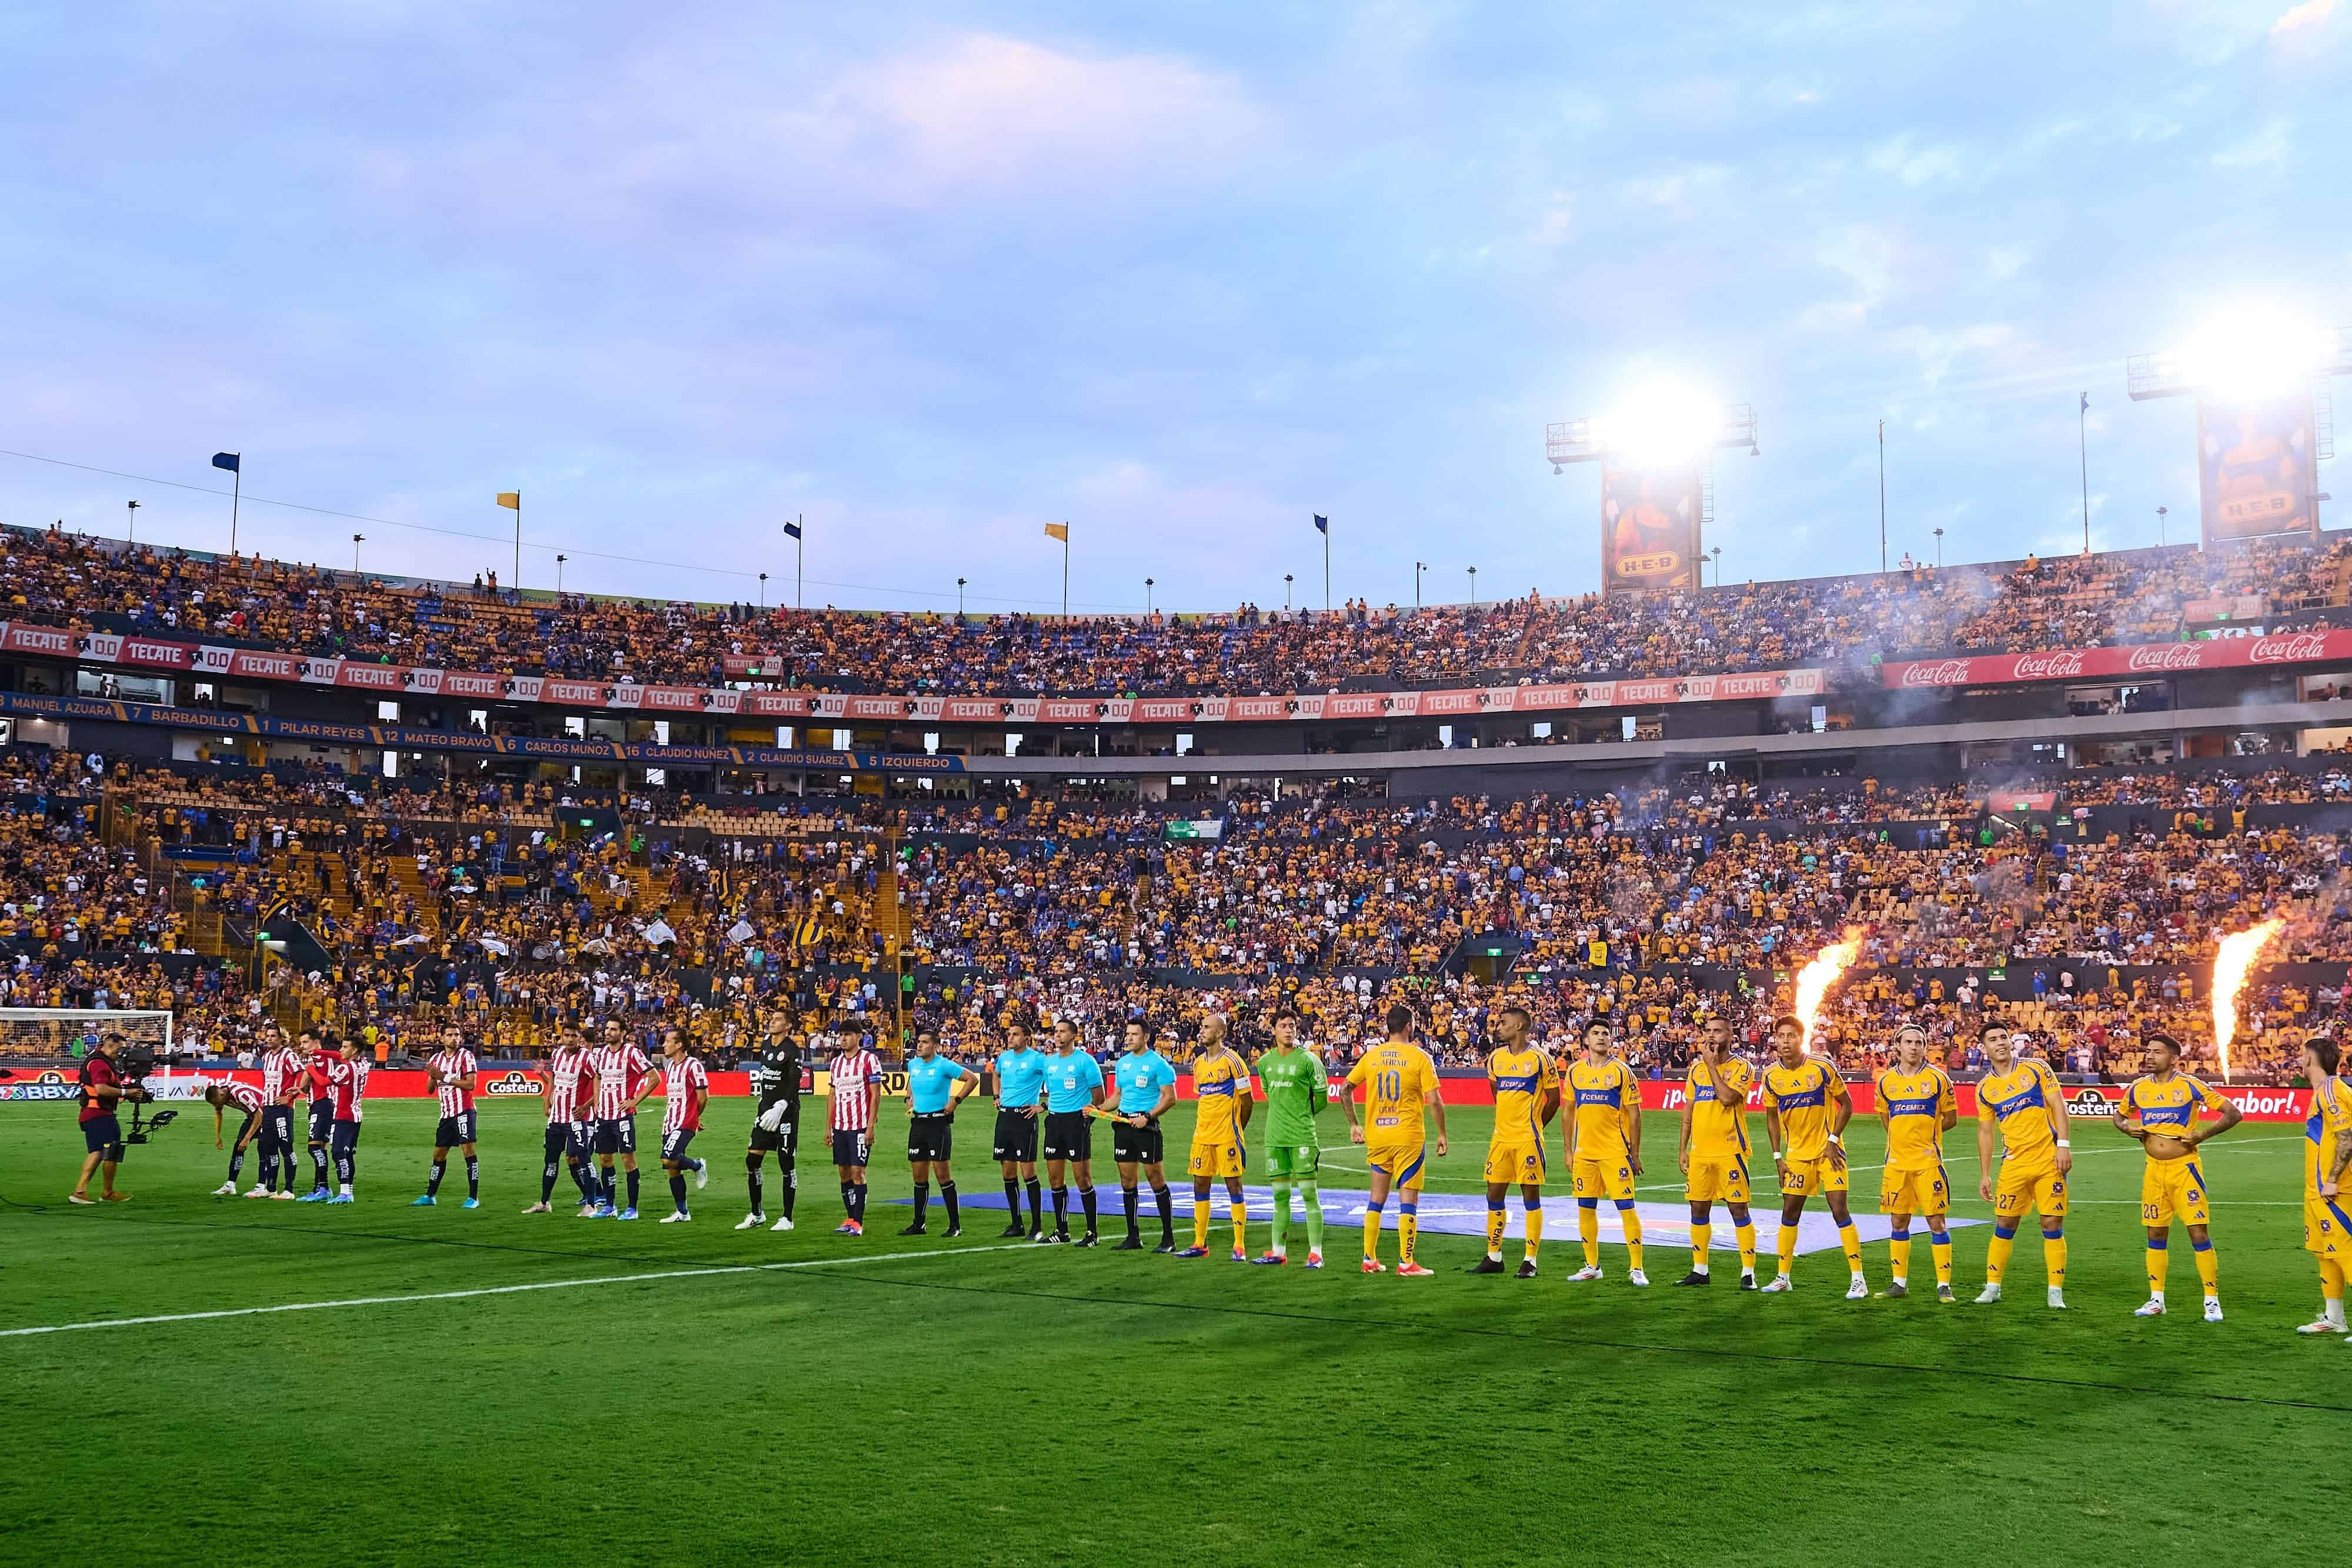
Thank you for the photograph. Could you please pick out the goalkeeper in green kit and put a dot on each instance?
(1295, 1092)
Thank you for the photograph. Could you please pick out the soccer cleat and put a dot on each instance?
(846, 1227)
(1748, 1282)
(1896, 1291)
(257, 1190)
(1695, 1278)
(2057, 1299)
(1527, 1267)
(1859, 1291)
(1239, 1256)
(285, 1194)
(857, 1228)
(1167, 1244)
(1133, 1243)
(626, 1214)
(342, 1198)
(1780, 1283)
(1944, 1294)
(953, 1230)
(680, 1217)
(1410, 1269)
(783, 1224)
(917, 1229)
(1315, 1260)
(1988, 1295)
(2151, 1308)
(1269, 1259)
(1374, 1266)
(225, 1189)
(1637, 1278)
(1040, 1237)
(84, 1199)
(1062, 1237)
(1590, 1271)
(1193, 1252)
(702, 1175)
(1090, 1239)
(751, 1221)
(2321, 1325)
(1036, 1234)
(604, 1211)
(539, 1209)
(316, 1194)
(422, 1200)
(1486, 1266)
(1014, 1231)
(2212, 1310)
(471, 1203)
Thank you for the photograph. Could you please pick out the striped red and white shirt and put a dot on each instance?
(243, 1096)
(621, 1070)
(346, 1087)
(281, 1075)
(857, 1090)
(681, 1111)
(564, 1069)
(456, 1098)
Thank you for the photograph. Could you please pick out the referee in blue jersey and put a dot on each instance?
(1020, 1118)
(1074, 1092)
(934, 1087)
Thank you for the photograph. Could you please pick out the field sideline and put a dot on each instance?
(669, 1394)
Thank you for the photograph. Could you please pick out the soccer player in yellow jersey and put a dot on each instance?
(1221, 1081)
(1916, 1103)
(1398, 1079)
(1603, 1140)
(2019, 1097)
(2327, 1151)
(2160, 1110)
(1714, 1149)
(1806, 1108)
(1526, 1092)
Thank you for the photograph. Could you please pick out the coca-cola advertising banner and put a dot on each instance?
(685, 702)
(2140, 660)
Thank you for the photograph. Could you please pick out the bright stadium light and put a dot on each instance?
(1663, 425)
(2254, 350)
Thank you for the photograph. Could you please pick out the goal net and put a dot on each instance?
(32, 1035)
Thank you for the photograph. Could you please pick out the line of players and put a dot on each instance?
(1048, 1100)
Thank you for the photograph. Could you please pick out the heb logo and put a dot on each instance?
(2063, 664)
(1938, 673)
(515, 1081)
(2166, 656)
(2288, 650)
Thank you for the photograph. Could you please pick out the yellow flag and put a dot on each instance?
(510, 499)
(1058, 531)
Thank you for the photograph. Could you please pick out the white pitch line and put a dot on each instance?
(493, 1291)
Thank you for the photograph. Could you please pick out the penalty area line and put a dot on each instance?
(471, 1294)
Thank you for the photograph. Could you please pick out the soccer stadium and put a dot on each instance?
(1087, 990)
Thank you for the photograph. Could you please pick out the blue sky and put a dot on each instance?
(1182, 275)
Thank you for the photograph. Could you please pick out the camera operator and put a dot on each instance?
(103, 1088)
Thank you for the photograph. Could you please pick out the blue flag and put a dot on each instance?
(225, 460)
(1322, 525)
(792, 530)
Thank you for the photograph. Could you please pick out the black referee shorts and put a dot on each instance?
(1133, 1146)
(1069, 1136)
(930, 1135)
(1016, 1136)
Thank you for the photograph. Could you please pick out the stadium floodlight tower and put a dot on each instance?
(1656, 452)
(2266, 419)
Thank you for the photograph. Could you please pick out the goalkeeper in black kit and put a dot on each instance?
(775, 1076)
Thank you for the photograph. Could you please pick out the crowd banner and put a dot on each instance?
(2137, 659)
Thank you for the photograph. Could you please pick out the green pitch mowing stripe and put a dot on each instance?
(1051, 1406)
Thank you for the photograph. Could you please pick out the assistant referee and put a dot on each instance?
(935, 1086)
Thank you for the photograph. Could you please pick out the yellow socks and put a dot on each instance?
(2053, 1257)
(1702, 1234)
(1746, 1237)
(1787, 1240)
(1241, 1227)
(1941, 1246)
(1588, 1230)
(1408, 1229)
(1535, 1228)
(1997, 1255)
(1632, 1224)
(1849, 1240)
(1372, 1230)
(1898, 1254)
(2209, 1267)
(1494, 1227)
(1201, 1210)
(2160, 1255)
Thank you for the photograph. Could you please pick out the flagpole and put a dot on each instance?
(516, 584)
(236, 493)
(1065, 571)
(800, 528)
(2083, 435)
(1327, 566)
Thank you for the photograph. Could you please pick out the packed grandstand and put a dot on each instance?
(241, 851)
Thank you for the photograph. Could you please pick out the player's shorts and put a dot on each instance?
(930, 1135)
(1515, 1160)
(674, 1145)
(1226, 1161)
(557, 1142)
(451, 1132)
(2040, 1188)
(783, 1141)
(1069, 1136)
(852, 1145)
(343, 1137)
(322, 1120)
(2326, 1227)
(1017, 1135)
(277, 1126)
(2173, 1188)
(1926, 1190)
(103, 1136)
(583, 1135)
(616, 1135)
(1402, 1162)
(244, 1129)
(1820, 1174)
(1717, 1181)
(1294, 1162)
(1133, 1146)
(1605, 1178)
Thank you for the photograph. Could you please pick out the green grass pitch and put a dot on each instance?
(976, 1402)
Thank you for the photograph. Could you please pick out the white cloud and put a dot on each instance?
(2267, 145)
(2310, 13)
(1916, 165)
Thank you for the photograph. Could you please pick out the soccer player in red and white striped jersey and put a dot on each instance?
(220, 1094)
(567, 1139)
(282, 1081)
(621, 1075)
(856, 1089)
(687, 1091)
(451, 1073)
(346, 1083)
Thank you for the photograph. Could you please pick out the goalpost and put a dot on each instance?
(34, 1036)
